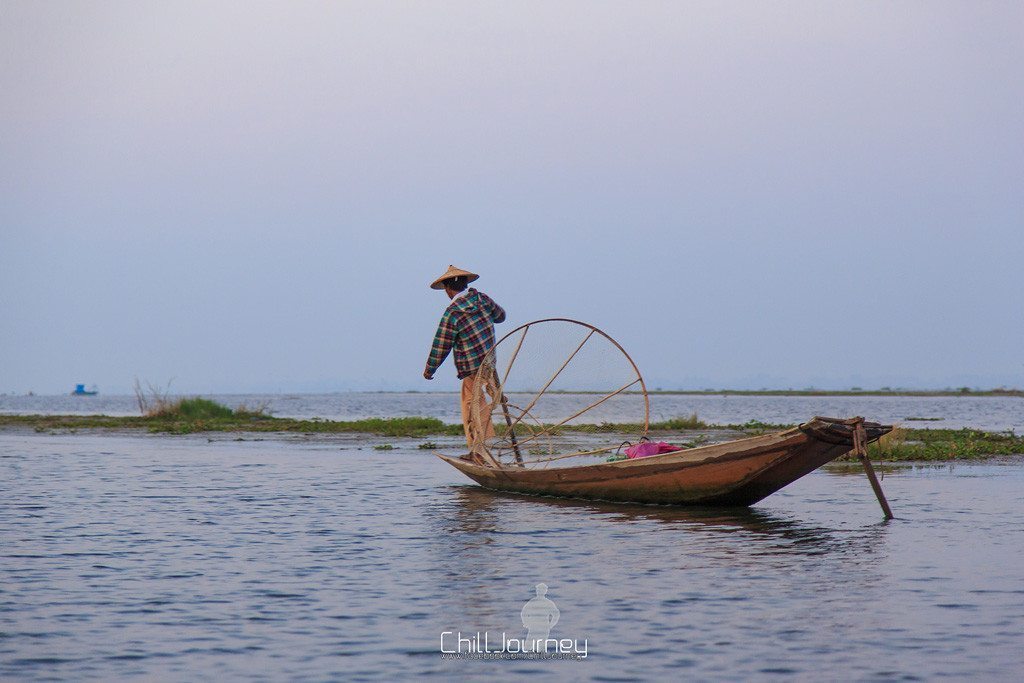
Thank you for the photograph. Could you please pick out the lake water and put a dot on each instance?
(996, 413)
(187, 558)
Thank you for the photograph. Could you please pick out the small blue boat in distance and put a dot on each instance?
(80, 391)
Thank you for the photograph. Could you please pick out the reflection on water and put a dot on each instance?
(176, 558)
(483, 506)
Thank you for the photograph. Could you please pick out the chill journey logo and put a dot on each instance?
(539, 616)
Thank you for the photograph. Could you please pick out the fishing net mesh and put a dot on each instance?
(553, 391)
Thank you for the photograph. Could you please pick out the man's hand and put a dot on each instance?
(427, 375)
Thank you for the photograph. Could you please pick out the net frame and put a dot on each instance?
(492, 449)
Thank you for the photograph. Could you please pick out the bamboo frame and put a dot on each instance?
(553, 377)
(504, 446)
(643, 385)
(515, 353)
(548, 431)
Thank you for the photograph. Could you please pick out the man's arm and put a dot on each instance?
(497, 312)
(444, 339)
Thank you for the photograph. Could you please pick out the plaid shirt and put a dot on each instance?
(467, 326)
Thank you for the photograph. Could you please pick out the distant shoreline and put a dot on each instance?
(964, 391)
(1018, 393)
(961, 392)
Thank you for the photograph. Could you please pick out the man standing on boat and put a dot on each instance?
(467, 326)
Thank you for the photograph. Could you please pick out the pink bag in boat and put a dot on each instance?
(646, 448)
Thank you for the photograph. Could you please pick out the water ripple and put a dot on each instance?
(176, 558)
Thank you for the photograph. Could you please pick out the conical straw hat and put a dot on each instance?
(453, 272)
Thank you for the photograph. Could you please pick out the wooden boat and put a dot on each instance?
(740, 472)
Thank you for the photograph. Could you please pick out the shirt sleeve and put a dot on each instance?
(497, 312)
(444, 339)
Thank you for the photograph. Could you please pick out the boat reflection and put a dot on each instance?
(480, 513)
(496, 545)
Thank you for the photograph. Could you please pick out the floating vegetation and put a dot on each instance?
(193, 409)
(688, 422)
(944, 444)
(197, 415)
(196, 418)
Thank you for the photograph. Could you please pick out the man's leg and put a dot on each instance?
(476, 414)
(467, 401)
(487, 409)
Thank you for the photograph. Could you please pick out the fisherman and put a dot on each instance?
(467, 325)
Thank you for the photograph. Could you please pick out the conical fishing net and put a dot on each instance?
(555, 392)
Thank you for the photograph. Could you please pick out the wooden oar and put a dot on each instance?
(859, 448)
(508, 417)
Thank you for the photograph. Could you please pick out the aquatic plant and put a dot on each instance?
(758, 427)
(196, 409)
(891, 446)
(903, 444)
(154, 402)
(257, 411)
(681, 422)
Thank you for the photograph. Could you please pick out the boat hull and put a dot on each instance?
(736, 473)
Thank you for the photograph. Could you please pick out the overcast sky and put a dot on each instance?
(254, 196)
